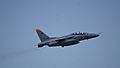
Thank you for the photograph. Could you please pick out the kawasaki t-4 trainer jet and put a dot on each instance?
(67, 40)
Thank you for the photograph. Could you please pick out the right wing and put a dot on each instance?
(63, 38)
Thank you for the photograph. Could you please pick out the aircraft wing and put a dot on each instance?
(63, 38)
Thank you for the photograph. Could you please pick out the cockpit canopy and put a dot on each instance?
(79, 33)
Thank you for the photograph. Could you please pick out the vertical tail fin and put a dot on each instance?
(41, 35)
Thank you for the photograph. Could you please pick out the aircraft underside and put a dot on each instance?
(64, 44)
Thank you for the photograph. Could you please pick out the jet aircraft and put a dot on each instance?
(67, 40)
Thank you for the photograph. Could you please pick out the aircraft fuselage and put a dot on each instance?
(67, 40)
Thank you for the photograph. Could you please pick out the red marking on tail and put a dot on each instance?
(38, 30)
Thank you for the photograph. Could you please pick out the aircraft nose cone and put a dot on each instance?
(93, 35)
(96, 35)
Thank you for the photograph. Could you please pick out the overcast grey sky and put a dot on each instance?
(19, 18)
